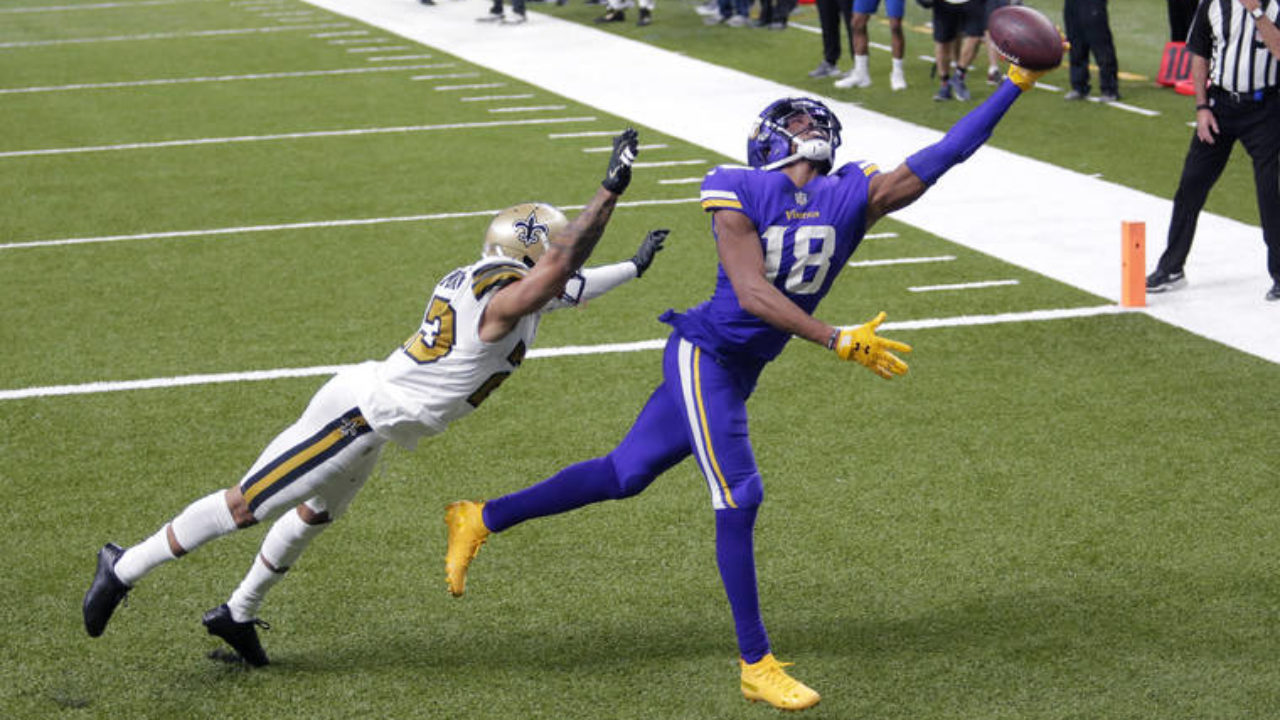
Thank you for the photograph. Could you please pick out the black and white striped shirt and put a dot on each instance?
(1226, 33)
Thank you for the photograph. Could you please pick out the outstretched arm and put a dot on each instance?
(567, 251)
(905, 184)
(592, 282)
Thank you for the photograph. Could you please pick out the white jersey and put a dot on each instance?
(444, 371)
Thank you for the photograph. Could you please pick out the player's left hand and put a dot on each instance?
(862, 345)
(651, 244)
(625, 148)
(1024, 78)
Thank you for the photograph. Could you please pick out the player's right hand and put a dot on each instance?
(649, 247)
(861, 344)
(625, 148)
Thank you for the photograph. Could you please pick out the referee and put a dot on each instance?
(1235, 65)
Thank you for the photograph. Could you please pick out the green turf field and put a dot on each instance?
(1044, 520)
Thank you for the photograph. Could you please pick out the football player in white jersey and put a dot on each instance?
(477, 327)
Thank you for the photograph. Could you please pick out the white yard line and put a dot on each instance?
(471, 86)
(588, 133)
(570, 350)
(447, 76)
(353, 132)
(671, 163)
(528, 108)
(399, 58)
(209, 79)
(901, 261)
(94, 6)
(961, 286)
(650, 146)
(230, 32)
(495, 98)
(317, 224)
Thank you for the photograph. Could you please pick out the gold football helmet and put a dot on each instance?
(522, 232)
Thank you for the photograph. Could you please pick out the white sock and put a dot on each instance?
(144, 557)
(282, 547)
(247, 598)
(202, 521)
(897, 65)
(860, 64)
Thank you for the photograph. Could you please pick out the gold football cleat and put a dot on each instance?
(466, 534)
(766, 680)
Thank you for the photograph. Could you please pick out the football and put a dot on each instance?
(1025, 37)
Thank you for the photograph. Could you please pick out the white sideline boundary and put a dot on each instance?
(1046, 219)
(567, 350)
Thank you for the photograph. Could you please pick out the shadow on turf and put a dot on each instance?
(1081, 623)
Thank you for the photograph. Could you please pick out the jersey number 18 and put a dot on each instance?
(803, 253)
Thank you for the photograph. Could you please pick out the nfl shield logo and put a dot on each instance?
(802, 198)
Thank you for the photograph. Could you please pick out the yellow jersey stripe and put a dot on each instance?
(713, 203)
(285, 468)
(706, 432)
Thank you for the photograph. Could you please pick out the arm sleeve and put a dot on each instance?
(965, 137)
(590, 283)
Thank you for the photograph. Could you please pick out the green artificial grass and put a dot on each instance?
(1052, 520)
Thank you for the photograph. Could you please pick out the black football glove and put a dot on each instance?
(625, 148)
(651, 244)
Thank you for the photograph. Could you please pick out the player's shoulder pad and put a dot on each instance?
(495, 273)
(864, 168)
(720, 187)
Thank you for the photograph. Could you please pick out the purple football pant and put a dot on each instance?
(700, 410)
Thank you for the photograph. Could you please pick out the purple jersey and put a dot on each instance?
(806, 234)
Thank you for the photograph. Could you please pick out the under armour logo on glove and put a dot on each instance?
(625, 148)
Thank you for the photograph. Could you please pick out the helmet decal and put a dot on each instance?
(530, 231)
(523, 232)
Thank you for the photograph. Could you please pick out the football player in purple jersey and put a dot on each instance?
(784, 228)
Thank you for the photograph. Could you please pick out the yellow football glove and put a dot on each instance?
(863, 345)
(1024, 78)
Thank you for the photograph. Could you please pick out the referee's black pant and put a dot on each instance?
(1256, 124)
(833, 16)
(1088, 29)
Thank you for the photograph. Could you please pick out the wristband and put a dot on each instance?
(1257, 13)
(831, 341)
(1203, 107)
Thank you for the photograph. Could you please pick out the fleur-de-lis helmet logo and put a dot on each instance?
(531, 231)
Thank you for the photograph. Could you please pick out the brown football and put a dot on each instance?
(1025, 37)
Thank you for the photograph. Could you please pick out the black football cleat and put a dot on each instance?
(241, 636)
(105, 593)
(1161, 281)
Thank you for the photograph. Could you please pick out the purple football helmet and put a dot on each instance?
(769, 144)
